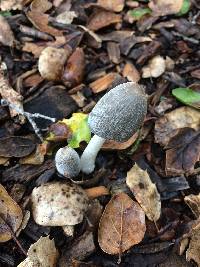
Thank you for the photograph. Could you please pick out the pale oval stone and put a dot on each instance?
(58, 204)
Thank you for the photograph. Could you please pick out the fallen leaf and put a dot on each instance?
(40, 21)
(138, 13)
(16, 146)
(114, 145)
(145, 192)
(9, 94)
(66, 17)
(10, 217)
(131, 73)
(104, 82)
(187, 96)
(4, 161)
(74, 70)
(7, 5)
(193, 252)
(79, 128)
(183, 151)
(185, 8)
(6, 34)
(41, 5)
(36, 158)
(165, 7)
(102, 19)
(122, 225)
(114, 52)
(193, 201)
(58, 204)
(112, 5)
(155, 68)
(59, 131)
(166, 126)
(43, 253)
(81, 248)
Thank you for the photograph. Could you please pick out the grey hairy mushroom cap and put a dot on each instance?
(67, 162)
(119, 113)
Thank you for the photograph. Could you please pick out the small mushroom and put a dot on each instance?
(117, 116)
(67, 162)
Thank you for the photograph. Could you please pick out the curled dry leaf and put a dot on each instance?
(193, 252)
(41, 5)
(165, 7)
(155, 68)
(51, 63)
(6, 34)
(10, 216)
(102, 19)
(122, 225)
(16, 146)
(6, 5)
(114, 145)
(145, 192)
(112, 5)
(166, 126)
(183, 151)
(58, 204)
(9, 94)
(36, 158)
(74, 70)
(193, 201)
(43, 253)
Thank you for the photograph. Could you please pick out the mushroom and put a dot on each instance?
(67, 162)
(117, 116)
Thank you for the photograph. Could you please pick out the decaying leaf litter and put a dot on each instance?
(140, 205)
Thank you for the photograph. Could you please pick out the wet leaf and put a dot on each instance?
(6, 34)
(187, 96)
(122, 225)
(10, 215)
(138, 13)
(79, 128)
(183, 151)
(166, 126)
(193, 201)
(185, 8)
(43, 253)
(145, 192)
(16, 146)
(58, 204)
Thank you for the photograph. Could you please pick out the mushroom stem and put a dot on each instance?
(89, 155)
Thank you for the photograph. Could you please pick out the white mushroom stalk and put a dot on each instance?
(89, 155)
(117, 116)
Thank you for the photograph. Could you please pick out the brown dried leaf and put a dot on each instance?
(193, 201)
(112, 5)
(6, 5)
(104, 82)
(10, 215)
(183, 151)
(6, 34)
(145, 192)
(122, 225)
(43, 253)
(9, 94)
(166, 126)
(74, 70)
(131, 73)
(66, 17)
(114, 145)
(16, 146)
(165, 7)
(113, 52)
(193, 252)
(102, 19)
(36, 158)
(41, 5)
(40, 21)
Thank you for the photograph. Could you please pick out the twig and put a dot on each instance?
(185, 38)
(29, 116)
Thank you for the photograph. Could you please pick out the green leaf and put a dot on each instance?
(80, 130)
(138, 13)
(187, 96)
(185, 8)
(5, 13)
